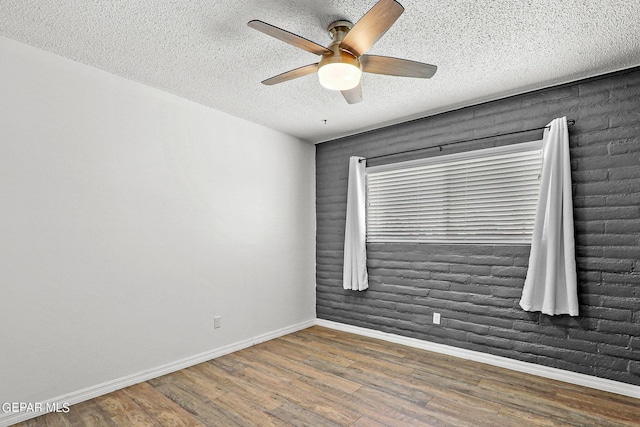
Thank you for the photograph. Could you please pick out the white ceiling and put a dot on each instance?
(203, 50)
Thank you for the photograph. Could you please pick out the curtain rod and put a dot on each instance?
(570, 122)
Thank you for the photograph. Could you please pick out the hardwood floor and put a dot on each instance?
(322, 377)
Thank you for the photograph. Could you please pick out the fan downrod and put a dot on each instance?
(338, 30)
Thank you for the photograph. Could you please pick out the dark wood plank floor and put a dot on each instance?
(322, 377)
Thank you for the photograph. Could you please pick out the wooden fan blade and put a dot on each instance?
(353, 96)
(293, 74)
(287, 37)
(396, 67)
(372, 26)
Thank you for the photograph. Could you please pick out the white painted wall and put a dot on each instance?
(129, 218)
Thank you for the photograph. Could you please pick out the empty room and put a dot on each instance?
(319, 213)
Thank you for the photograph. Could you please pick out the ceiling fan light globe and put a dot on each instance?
(339, 76)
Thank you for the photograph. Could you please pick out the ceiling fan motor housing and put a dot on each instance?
(342, 57)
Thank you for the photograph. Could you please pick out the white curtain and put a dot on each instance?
(355, 234)
(551, 284)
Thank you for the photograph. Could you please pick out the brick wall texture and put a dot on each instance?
(476, 288)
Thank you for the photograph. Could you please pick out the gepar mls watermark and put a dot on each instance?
(24, 407)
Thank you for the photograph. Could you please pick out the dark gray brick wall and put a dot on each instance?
(476, 288)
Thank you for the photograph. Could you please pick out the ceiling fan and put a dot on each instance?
(345, 59)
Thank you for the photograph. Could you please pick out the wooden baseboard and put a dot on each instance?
(499, 361)
(7, 419)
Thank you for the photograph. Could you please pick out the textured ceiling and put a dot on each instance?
(203, 50)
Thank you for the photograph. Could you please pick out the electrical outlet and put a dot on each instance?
(436, 318)
(216, 322)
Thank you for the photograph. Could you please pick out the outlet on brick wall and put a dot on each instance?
(436, 318)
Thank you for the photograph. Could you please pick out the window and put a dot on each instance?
(482, 196)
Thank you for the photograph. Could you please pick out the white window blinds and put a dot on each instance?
(483, 196)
